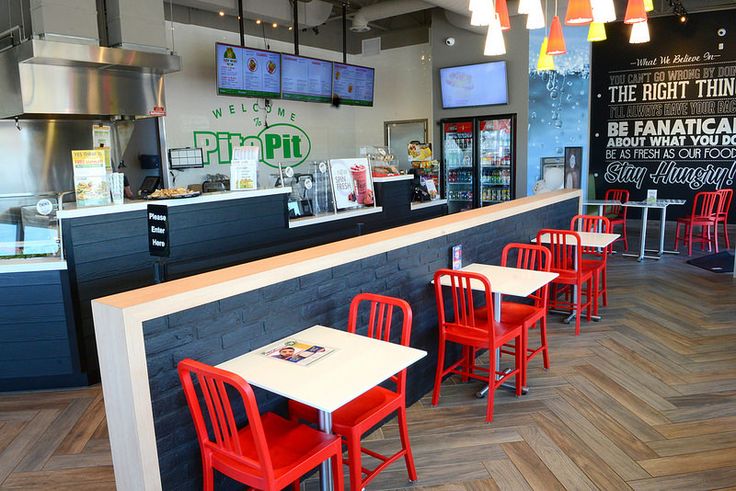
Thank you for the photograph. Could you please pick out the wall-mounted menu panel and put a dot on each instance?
(306, 79)
(353, 84)
(248, 72)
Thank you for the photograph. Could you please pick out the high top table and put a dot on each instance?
(662, 204)
(505, 281)
(357, 364)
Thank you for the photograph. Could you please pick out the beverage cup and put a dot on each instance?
(359, 177)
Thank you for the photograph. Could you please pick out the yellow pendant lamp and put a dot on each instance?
(597, 32)
(545, 62)
(648, 5)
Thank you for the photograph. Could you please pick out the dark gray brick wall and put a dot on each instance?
(215, 332)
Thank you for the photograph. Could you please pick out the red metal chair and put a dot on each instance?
(567, 261)
(535, 257)
(724, 207)
(269, 453)
(474, 328)
(595, 258)
(703, 215)
(354, 419)
(616, 214)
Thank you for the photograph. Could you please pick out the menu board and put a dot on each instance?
(353, 84)
(248, 72)
(306, 79)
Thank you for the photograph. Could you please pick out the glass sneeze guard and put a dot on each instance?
(29, 227)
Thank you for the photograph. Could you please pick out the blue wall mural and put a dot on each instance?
(558, 102)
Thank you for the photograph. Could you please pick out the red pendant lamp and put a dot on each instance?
(556, 43)
(579, 12)
(502, 9)
(635, 12)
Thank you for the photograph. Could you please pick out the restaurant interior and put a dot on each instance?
(367, 244)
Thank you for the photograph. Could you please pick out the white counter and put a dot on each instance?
(31, 264)
(427, 204)
(340, 215)
(71, 211)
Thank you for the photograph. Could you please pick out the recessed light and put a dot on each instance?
(258, 21)
(274, 25)
(222, 14)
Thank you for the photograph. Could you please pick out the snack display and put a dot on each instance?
(172, 193)
(385, 171)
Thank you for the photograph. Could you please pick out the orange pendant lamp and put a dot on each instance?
(635, 12)
(502, 9)
(556, 43)
(579, 12)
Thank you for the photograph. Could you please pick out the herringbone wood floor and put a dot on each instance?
(644, 400)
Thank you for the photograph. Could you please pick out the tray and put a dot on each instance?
(176, 196)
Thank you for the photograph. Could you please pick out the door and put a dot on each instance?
(457, 155)
(495, 140)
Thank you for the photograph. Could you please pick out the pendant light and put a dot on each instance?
(535, 19)
(545, 62)
(556, 43)
(648, 5)
(603, 10)
(523, 7)
(639, 33)
(495, 44)
(473, 5)
(482, 13)
(579, 12)
(597, 32)
(635, 12)
(502, 9)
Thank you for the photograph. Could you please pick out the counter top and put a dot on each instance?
(71, 210)
(331, 217)
(31, 264)
(402, 177)
(426, 204)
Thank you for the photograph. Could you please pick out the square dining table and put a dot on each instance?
(505, 281)
(357, 364)
(662, 205)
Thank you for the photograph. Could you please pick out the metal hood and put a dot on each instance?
(50, 79)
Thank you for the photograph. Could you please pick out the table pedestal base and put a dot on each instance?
(325, 468)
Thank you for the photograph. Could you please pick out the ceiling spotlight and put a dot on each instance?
(258, 21)
(683, 19)
(222, 14)
(291, 28)
(274, 25)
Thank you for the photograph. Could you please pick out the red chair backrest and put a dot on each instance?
(705, 206)
(566, 250)
(591, 223)
(462, 302)
(213, 384)
(724, 203)
(621, 195)
(529, 256)
(380, 321)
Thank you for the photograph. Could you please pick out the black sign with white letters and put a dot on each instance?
(158, 230)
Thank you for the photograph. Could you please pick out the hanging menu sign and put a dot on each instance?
(353, 84)
(663, 113)
(248, 72)
(158, 230)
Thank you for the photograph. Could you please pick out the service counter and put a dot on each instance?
(217, 315)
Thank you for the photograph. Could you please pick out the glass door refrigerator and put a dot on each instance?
(478, 161)
(458, 162)
(497, 160)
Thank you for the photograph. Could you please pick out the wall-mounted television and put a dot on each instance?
(248, 72)
(305, 79)
(482, 84)
(353, 84)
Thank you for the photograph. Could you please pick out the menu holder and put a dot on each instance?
(352, 183)
(244, 169)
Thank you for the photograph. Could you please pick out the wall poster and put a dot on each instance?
(663, 113)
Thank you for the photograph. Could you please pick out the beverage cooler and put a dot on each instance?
(478, 161)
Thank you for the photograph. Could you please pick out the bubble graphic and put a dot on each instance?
(554, 94)
(558, 124)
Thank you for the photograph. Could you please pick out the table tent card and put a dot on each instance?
(244, 168)
(298, 352)
(91, 184)
(352, 183)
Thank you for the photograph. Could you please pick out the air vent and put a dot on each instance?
(371, 46)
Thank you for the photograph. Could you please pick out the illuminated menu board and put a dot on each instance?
(353, 84)
(248, 72)
(306, 79)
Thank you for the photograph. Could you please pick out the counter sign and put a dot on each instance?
(158, 230)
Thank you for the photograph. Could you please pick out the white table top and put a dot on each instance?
(587, 239)
(507, 281)
(601, 202)
(358, 364)
(660, 203)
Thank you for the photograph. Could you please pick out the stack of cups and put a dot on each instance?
(116, 187)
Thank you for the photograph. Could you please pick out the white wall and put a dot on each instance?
(403, 90)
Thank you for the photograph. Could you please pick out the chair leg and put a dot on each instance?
(590, 299)
(725, 234)
(354, 462)
(626, 238)
(604, 280)
(578, 306)
(338, 475)
(438, 373)
(715, 235)
(208, 473)
(406, 445)
(520, 361)
(491, 384)
(596, 293)
(296, 485)
(543, 338)
(690, 240)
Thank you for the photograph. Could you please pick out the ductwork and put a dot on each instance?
(311, 13)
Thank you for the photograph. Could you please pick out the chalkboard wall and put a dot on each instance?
(663, 113)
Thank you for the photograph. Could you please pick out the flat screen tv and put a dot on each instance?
(248, 72)
(482, 84)
(305, 79)
(353, 84)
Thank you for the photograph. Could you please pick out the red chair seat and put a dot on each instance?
(291, 445)
(477, 337)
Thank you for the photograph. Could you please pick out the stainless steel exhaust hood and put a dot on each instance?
(49, 79)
